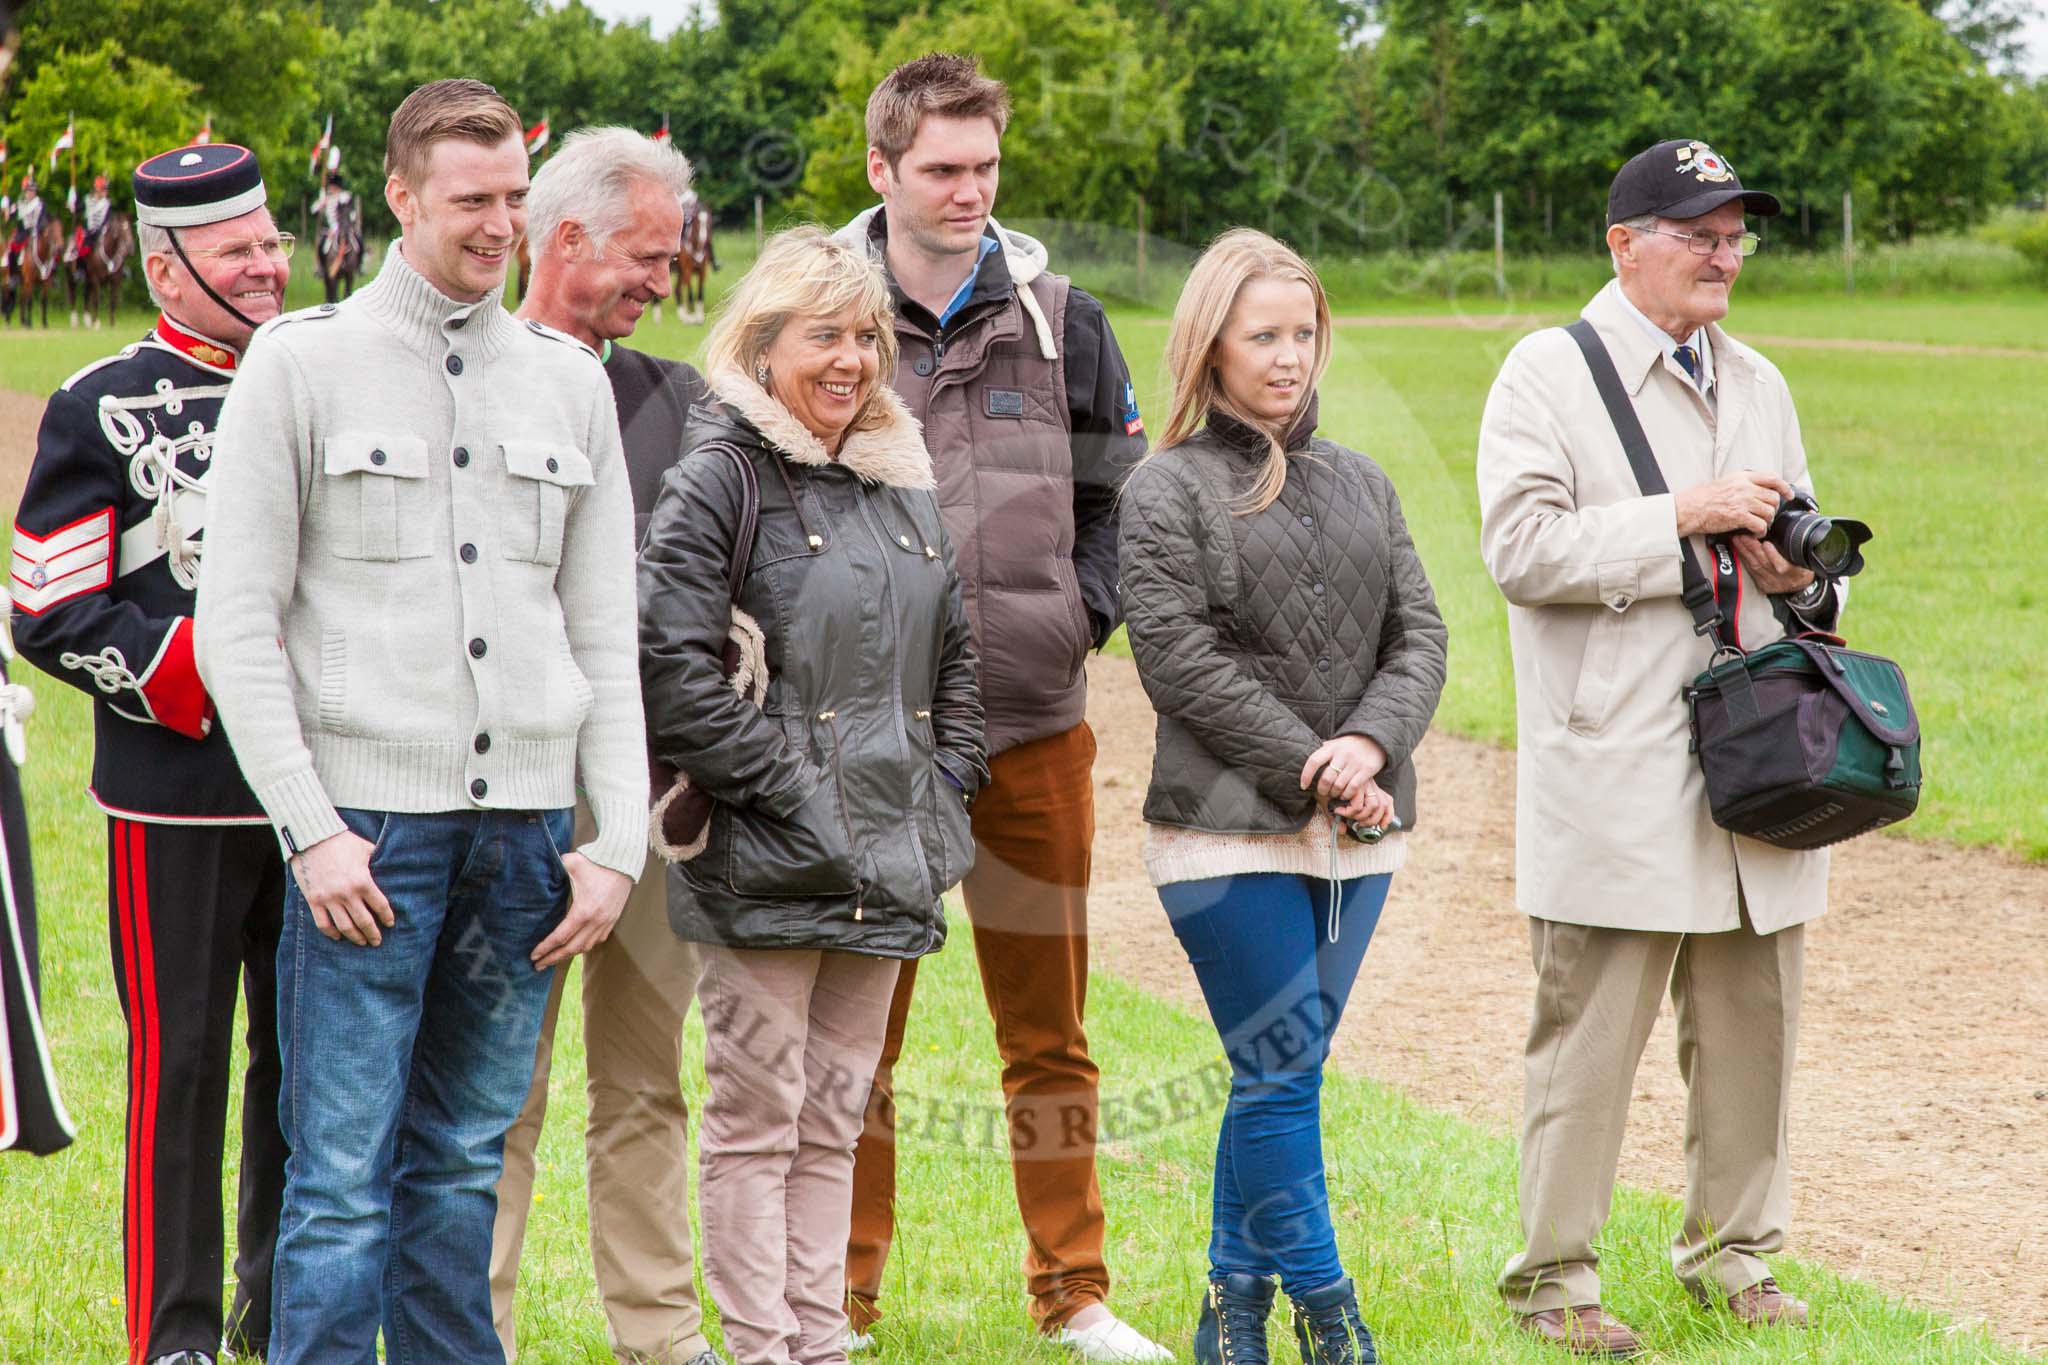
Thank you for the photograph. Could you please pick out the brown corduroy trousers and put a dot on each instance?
(1027, 898)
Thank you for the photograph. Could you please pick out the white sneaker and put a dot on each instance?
(1113, 1341)
(858, 1343)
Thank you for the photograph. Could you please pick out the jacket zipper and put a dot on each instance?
(896, 680)
(889, 549)
(831, 719)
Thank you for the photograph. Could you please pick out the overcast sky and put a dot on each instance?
(666, 14)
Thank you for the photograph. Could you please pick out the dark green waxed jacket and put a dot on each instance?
(839, 817)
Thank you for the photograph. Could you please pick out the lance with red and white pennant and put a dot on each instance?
(66, 140)
(661, 135)
(205, 133)
(537, 137)
(320, 147)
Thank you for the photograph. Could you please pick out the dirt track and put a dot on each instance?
(1920, 1118)
(1920, 1110)
(1527, 322)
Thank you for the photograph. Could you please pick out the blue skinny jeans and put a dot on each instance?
(1276, 988)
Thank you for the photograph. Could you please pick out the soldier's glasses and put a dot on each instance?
(241, 254)
(1707, 243)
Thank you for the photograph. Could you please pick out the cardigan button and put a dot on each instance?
(462, 457)
(554, 465)
(455, 364)
(477, 648)
(479, 789)
(483, 743)
(378, 457)
(468, 553)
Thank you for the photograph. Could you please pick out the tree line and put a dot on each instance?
(1344, 125)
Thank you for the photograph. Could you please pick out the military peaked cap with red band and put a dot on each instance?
(192, 186)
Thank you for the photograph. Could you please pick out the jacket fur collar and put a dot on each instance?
(893, 453)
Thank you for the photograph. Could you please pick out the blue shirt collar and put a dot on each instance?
(966, 289)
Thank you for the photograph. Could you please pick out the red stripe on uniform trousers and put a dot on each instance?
(152, 1067)
(124, 907)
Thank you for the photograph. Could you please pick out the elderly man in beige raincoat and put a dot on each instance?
(1627, 882)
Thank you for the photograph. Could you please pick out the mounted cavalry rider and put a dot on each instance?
(87, 234)
(28, 219)
(692, 207)
(107, 558)
(336, 223)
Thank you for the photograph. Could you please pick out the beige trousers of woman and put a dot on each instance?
(790, 1041)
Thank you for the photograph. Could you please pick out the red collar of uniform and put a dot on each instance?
(205, 350)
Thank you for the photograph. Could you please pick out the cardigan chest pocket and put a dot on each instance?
(382, 495)
(542, 479)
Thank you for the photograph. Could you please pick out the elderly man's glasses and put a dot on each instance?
(242, 254)
(1707, 243)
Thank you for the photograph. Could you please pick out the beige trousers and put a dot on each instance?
(637, 986)
(1597, 995)
(791, 1039)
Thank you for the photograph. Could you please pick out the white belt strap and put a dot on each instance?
(144, 543)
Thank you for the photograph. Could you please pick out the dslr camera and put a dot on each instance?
(1830, 546)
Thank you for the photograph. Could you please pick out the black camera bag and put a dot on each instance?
(1803, 742)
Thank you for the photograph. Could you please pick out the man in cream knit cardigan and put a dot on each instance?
(418, 621)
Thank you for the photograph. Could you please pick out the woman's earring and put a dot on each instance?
(761, 373)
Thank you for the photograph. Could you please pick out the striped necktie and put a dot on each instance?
(1690, 359)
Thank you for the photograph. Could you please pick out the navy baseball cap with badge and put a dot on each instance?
(190, 187)
(1679, 179)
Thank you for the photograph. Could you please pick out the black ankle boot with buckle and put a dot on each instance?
(1327, 1325)
(1232, 1328)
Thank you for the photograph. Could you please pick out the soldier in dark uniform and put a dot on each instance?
(107, 554)
(32, 1117)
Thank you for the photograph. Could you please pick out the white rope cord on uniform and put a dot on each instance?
(153, 465)
(17, 704)
(108, 669)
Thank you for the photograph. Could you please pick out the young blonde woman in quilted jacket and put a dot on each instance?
(1288, 638)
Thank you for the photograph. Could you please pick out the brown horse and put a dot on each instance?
(104, 269)
(41, 265)
(691, 271)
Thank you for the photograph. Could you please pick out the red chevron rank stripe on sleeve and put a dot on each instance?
(70, 560)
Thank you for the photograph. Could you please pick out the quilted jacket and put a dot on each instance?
(1260, 636)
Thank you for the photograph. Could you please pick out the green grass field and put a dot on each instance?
(1935, 451)
(1424, 1203)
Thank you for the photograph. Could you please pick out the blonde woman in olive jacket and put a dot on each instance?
(1288, 638)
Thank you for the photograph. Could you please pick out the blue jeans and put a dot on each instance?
(1276, 988)
(404, 1064)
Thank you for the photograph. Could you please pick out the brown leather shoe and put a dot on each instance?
(1587, 1330)
(1763, 1304)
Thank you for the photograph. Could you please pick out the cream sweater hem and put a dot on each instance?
(1176, 854)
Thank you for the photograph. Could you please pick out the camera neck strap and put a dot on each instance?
(1703, 598)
